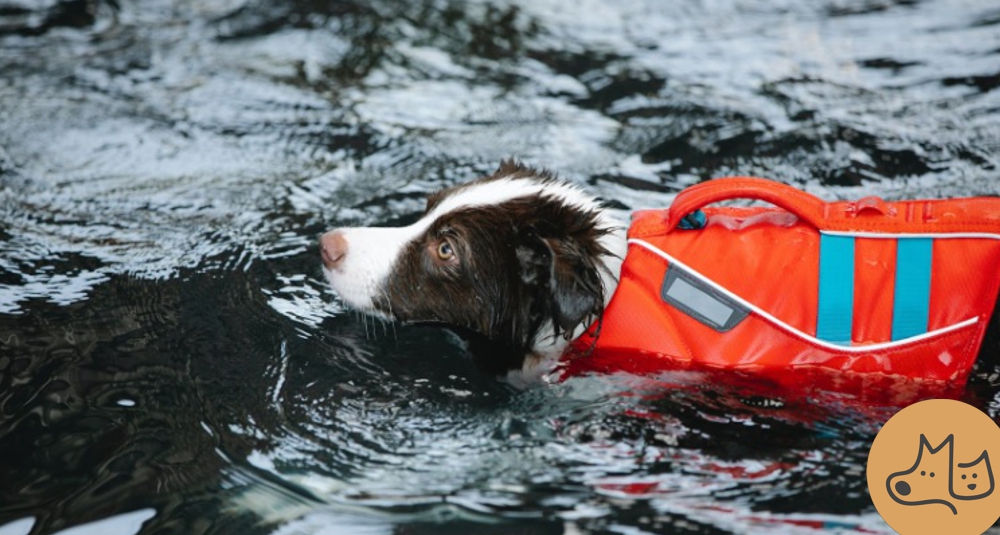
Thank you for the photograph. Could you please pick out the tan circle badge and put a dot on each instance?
(929, 469)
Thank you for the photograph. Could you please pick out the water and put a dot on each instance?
(172, 362)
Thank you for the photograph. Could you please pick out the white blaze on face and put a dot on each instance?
(371, 254)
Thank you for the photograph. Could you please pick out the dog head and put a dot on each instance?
(927, 481)
(518, 263)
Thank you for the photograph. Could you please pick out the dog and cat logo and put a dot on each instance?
(929, 469)
(940, 462)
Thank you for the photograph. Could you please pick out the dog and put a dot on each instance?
(518, 264)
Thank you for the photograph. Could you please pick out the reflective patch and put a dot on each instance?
(700, 301)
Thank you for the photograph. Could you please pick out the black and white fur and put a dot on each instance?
(518, 263)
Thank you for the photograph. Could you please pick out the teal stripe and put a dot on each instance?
(912, 301)
(835, 313)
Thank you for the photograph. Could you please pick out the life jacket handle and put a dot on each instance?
(806, 207)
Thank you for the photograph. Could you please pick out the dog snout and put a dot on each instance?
(333, 247)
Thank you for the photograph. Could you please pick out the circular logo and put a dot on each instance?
(930, 471)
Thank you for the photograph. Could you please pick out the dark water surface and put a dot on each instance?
(172, 362)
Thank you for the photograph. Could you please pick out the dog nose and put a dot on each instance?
(902, 488)
(333, 247)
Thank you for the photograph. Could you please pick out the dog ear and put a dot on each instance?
(575, 287)
(567, 277)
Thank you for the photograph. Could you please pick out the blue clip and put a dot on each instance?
(694, 221)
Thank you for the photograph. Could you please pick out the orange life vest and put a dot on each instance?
(868, 287)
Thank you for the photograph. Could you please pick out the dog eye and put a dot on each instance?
(445, 251)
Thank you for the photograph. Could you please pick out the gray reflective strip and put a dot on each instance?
(701, 301)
